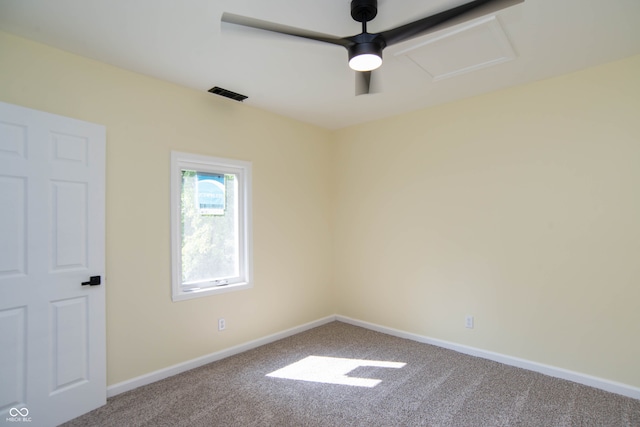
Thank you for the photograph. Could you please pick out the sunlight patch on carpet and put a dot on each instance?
(332, 370)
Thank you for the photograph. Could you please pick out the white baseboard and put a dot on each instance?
(600, 383)
(158, 375)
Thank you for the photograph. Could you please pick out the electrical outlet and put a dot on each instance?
(221, 324)
(468, 322)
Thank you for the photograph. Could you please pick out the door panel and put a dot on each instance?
(13, 357)
(12, 227)
(70, 350)
(69, 218)
(52, 328)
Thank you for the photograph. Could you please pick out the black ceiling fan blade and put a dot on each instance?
(282, 29)
(363, 82)
(456, 15)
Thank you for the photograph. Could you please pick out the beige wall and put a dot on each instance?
(145, 120)
(519, 207)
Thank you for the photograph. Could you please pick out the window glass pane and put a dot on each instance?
(209, 221)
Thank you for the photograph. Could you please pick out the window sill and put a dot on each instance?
(180, 295)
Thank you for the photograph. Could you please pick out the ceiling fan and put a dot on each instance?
(365, 49)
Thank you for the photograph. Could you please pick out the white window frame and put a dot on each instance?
(186, 161)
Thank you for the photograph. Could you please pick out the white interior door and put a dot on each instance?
(52, 328)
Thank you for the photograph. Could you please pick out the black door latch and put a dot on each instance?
(93, 281)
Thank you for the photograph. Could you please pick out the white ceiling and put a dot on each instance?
(185, 43)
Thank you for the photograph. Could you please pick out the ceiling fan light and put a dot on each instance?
(365, 62)
(365, 56)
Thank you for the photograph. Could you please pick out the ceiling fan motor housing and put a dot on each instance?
(364, 10)
(366, 43)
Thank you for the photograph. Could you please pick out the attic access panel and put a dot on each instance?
(473, 46)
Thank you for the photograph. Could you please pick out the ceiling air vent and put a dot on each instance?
(227, 93)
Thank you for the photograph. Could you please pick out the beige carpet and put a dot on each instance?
(435, 387)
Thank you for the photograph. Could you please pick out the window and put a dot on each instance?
(210, 225)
